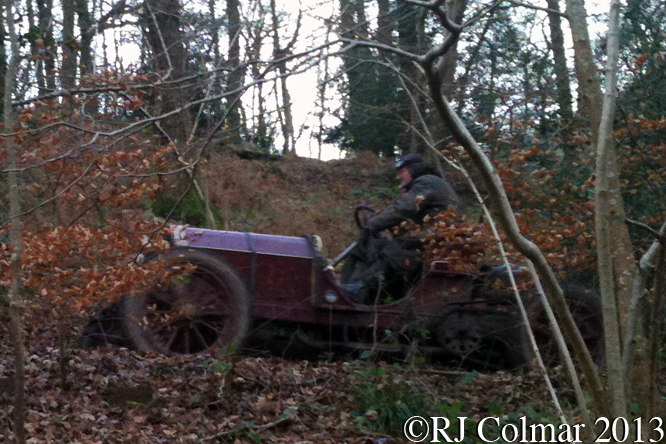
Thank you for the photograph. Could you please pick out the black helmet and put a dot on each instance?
(408, 159)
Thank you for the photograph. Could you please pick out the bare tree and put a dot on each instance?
(280, 54)
(3, 64)
(237, 72)
(256, 34)
(69, 52)
(161, 21)
(46, 70)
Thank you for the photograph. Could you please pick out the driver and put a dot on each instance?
(379, 266)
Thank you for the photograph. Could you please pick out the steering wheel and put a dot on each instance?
(363, 213)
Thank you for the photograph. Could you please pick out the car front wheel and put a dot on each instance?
(208, 308)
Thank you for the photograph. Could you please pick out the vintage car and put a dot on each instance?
(259, 290)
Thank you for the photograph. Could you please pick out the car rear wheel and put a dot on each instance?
(585, 307)
(485, 338)
(207, 309)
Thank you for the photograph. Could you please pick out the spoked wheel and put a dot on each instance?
(485, 338)
(460, 334)
(207, 309)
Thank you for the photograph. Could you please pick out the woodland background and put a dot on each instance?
(119, 116)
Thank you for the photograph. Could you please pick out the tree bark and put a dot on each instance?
(590, 106)
(409, 23)
(68, 69)
(260, 129)
(385, 26)
(287, 119)
(607, 215)
(44, 10)
(162, 25)
(3, 62)
(564, 98)
(15, 227)
(86, 61)
(235, 80)
(87, 33)
(455, 11)
(589, 85)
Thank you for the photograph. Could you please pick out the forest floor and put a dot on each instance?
(115, 395)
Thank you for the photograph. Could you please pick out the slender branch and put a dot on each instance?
(538, 8)
(137, 126)
(454, 35)
(659, 235)
(174, 82)
(351, 44)
(164, 47)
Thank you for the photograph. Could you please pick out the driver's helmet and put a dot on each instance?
(407, 160)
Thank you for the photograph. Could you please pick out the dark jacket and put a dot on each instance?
(425, 195)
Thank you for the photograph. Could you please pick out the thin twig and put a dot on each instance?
(659, 235)
(538, 8)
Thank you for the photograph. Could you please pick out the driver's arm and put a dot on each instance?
(403, 209)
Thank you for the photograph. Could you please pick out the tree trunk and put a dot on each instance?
(44, 9)
(590, 105)
(564, 98)
(409, 22)
(455, 11)
(86, 60)
(68, 69)
(87, 33)
(260, 129)
(35, 58)
(235, 80)
(323, 73)
(162, 25)
(215, 32)
(385, 27)
(287, 119)
(652, 404)
(606, 216)
(15, 227)
(589, 85)
(3, 63)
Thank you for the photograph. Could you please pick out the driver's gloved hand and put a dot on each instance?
(364, 236)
